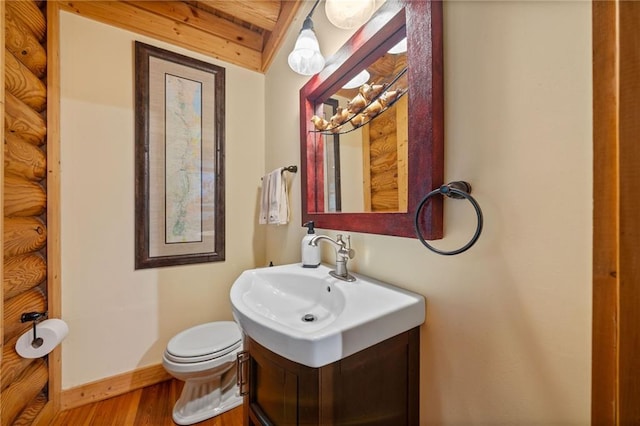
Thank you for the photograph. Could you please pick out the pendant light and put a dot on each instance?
(349, 14)
(306, 58)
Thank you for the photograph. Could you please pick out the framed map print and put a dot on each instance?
(179, 159)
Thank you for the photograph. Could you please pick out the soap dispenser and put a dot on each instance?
(310, 254)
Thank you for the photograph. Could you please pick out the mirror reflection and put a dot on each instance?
(418, 125)
(364, 128)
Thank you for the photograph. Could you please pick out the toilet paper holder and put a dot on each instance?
(35, 317)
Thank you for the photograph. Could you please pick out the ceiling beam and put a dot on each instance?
(203, 20)
(129, 17)
(263, 14)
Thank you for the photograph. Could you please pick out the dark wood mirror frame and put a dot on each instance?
(422, 21)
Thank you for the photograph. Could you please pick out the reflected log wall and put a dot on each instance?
(23, 391)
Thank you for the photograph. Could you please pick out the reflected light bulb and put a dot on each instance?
(401, 47)
(358, 80)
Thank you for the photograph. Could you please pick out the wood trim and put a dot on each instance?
(274, 40)
(2, 101)
(616, 226)
(629, 211)
(402, 140)
(54, 256)
(366, 167)
(605, 197)
(113, 386)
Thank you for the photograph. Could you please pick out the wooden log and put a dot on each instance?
(23, 159)
(15, 398)
(384, 201)
(383, 125)
(48, 412)
(22, 273)
(385, 181)
(20, 41)
(383, 145)
(384, 162)
(23, 235)
(13, 365)
(30, 301)
(23, 121)
(23, 197)
(30, 15)
(23, 84)
(32, 411)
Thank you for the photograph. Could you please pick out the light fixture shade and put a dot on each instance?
(401, 47)
(361, 78)
(306, 58)
(349, 14)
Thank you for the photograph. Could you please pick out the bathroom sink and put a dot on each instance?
(309, 317)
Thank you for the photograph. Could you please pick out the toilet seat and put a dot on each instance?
(204, 342)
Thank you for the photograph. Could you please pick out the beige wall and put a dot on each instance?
(507, 337)
(508, 332)
(121, 319)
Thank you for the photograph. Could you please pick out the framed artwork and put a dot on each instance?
(179, 159)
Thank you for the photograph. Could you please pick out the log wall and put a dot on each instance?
(24, 382)
(385, 160)
(385, 154)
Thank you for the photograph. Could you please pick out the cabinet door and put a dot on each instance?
(379, 385)
(281, 392)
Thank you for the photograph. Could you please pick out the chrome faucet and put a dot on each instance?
(344, 252)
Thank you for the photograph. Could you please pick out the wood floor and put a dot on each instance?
(148, 406)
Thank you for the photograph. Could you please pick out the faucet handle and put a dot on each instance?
(345, 248)
(352, 252)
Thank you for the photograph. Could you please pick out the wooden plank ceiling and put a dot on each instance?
(246, 33)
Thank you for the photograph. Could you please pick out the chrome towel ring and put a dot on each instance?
(457, 190)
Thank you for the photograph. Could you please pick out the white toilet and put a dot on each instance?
(204, 357)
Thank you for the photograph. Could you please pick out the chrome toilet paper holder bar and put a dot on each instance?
(35, 317)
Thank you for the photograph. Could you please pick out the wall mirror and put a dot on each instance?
(368, 168)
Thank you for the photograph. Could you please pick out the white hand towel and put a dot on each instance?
(274, 199)
(264, 200)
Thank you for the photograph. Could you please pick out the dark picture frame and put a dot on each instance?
(179, 159)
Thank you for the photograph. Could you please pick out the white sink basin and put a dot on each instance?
(309, 317)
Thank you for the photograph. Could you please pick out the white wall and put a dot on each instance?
(120, 319)
(508, 333)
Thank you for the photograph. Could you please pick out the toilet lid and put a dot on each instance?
(206, 340)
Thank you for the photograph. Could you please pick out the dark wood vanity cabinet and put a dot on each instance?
(376, 386)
